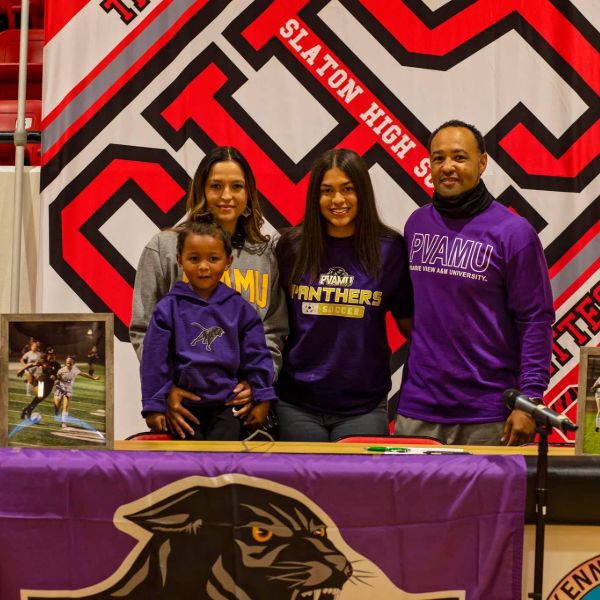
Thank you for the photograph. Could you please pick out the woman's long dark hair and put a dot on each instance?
(368, 227)
(196, 202)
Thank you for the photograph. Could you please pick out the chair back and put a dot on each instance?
(9, 63)
(389, 439)
(150, 436)
(10, 40)
(12, 8)
(6, 8)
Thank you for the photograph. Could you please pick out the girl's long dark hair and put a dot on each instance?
(368, 231)
(196, 202)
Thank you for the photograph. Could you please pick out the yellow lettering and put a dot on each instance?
(262, 291)
(340, 310)
(341, 295)
(365, 297)
(315, 294)
(226, 279)
(245, 283)
(329, 294)
(377, 298)
(328, 291)
(303, 292)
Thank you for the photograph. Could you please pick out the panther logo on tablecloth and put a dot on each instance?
(236, 537)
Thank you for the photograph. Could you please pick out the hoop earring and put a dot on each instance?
(247, 212)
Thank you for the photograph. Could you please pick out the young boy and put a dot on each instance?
(205, 338)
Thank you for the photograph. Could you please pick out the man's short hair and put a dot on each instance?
(459, 123)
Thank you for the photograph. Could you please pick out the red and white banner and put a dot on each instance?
(136, 92)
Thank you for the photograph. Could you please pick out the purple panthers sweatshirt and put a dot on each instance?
(336, 359)
(483, 315)
(205, 347)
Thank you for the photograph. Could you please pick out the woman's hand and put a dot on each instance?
(178, 416)
(258, 415)
(157, 422)
(242, 401)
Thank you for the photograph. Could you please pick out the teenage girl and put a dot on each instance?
(30, 359)
(64, 388)
(343, 270)
(49, 369)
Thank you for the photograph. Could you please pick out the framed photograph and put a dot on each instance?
(587, 440)
(56, 378)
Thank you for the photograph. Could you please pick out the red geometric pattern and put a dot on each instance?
(176, 70)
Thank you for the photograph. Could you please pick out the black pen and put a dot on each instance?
(445, 452)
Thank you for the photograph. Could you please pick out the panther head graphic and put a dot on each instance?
(339, 271)
(234, 536)
(226, 542)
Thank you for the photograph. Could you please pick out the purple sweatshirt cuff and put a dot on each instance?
(263, 395)
(153, 405)
(533, 391)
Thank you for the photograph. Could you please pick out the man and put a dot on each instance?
(483, 305)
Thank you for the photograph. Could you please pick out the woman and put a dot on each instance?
(49, 367)
(343, 270)
(64, 388)
(224, 185)
(29, 360)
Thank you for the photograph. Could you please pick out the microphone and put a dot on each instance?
(541, 414)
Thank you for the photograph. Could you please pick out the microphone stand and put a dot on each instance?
(545, 419)
(541, 495)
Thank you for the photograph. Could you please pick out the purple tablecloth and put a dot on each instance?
(442, 526)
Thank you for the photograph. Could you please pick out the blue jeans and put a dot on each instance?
(299, 425)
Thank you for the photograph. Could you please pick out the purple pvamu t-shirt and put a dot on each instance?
(483, 315)
(336, 359)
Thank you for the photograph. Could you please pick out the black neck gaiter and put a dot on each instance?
(468, 204)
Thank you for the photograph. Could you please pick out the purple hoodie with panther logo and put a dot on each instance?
(205, 347)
